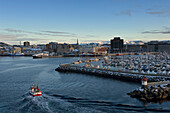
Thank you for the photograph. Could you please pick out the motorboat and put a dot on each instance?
(35, 91)
(40, 55)
(37, 55)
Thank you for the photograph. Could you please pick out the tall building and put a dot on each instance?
(116, 45)
(77, 42)
(27, 43)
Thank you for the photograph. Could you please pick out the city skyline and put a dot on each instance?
(43, 21)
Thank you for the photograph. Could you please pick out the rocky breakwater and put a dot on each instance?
(110, 73)
(152, 93)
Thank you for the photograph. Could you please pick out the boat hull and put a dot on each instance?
(35, 94)
(118, 54)
(16, 55)
(37, 56)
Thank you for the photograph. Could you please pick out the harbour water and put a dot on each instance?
(64, 92)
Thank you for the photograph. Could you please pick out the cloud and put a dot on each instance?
(156, 11)
(51, 33)
(23, 35)
(30, 39)
(95, 41)
(4, 37)
(165, 31)
(15, 39)
(48, 33)
(58, 32)
(90, 36)
(126, 12)
(13, 30)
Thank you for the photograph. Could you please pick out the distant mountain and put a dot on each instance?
(3, 44)
(134, 42)
(166, 41)
(105, 42)
(141, 42)
(96, 42)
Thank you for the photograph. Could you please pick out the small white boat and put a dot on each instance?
(40, 55)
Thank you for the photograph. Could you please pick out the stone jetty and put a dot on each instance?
(110, 73)
(152, 93)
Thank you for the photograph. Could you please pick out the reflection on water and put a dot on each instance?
(146, 103)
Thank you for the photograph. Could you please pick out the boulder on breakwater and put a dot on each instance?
(152, 93)
(110, 74)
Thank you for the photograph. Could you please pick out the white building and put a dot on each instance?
(32, 51)
(88, 49)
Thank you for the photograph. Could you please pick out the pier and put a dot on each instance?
(122, 75)
(156, 90)
(129, 67)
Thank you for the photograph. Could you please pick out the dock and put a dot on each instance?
(122, 75)
(156, 90)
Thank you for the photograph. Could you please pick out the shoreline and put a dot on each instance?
(86, 55)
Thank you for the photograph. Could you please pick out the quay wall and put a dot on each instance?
(110, 73)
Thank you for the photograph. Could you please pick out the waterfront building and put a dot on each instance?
(77, 42)
(59, 49)
(116, 45)
(32, 51)
(4, 51)
(52, 47)
(41, 46)
(63, 48)
(102, 50)
(26, 43)
(15, 50)
(152, 46)
(134, 48)
(92, 49)
(75, 48)
(164, 47)
(156, 46)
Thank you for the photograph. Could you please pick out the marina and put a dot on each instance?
(148, 64)
(130, 67)
(155, 85)
(111, 74)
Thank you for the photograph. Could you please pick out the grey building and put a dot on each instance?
(58, 48)
(26, 43)
(116, 45)
(155, 46)
(135, 48)
(163, 47)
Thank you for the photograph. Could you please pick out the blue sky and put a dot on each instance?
(42, 21)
